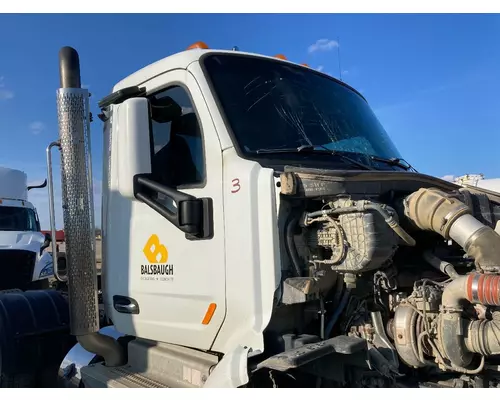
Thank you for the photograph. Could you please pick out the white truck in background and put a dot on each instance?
(25, 262)
(478, 181)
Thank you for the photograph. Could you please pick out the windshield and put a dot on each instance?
(17, 219)
(272, 105)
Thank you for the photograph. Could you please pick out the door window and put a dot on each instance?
(176, 136)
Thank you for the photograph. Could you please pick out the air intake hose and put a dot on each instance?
(434, 210)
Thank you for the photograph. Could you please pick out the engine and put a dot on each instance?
(411, 268)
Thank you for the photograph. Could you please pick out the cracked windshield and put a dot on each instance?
(274, 106)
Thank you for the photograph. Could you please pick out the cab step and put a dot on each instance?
(153, 365)
(100, 376)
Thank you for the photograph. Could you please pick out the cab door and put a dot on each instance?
(165, 285)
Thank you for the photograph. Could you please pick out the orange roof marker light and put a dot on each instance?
(198, 45)
(280, 56)
(305, 65)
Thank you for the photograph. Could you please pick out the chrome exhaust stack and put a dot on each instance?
(78, 211)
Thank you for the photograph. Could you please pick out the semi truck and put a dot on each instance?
(259, 229)
(478, 180)
(24, 261)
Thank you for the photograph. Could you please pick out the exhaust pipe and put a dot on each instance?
(433, 210)
(78, 211)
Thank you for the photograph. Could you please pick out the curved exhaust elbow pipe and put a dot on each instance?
(434, 210)
(104, 346)
(69, 68)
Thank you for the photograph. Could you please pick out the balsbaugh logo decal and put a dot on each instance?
(157, 256)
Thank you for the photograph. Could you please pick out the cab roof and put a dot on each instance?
(179, 60)
(183, 59)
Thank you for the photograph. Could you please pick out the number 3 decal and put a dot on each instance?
(236, 185)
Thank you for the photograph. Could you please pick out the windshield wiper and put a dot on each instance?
(398, 162)
(309, 148)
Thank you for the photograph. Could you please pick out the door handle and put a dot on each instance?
(125, 305)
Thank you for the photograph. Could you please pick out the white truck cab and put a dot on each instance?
(259, 228)
(24, 261)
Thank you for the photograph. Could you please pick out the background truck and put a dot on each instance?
(24, 261)
(259, 229)
(478, 180)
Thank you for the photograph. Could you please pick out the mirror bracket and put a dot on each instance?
(193, 215)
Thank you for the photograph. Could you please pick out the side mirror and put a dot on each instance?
(131, 125)
(134, 144)
(46, 243)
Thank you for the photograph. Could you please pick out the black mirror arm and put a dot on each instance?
(146, 181)
(189, 213)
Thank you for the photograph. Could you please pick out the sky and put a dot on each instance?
(432, 80)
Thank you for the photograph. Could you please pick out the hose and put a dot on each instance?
(337, 313)
(443, 266)
(322, 322)
(484, 336)
(339, 287)
(290, 244)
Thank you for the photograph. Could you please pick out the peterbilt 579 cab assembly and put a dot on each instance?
(259, 228)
